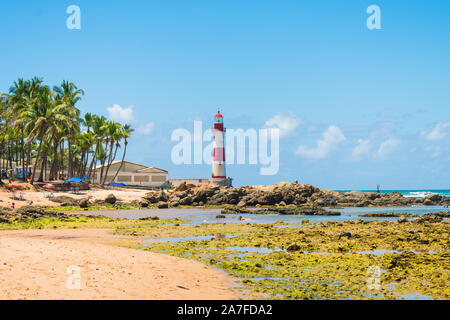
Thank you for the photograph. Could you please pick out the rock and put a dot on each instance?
(143, 203)
(163, 205)
(282, 203)
(111, 199)
(402, 219)
(65, 201)
(149, 218)
(220, 216)
(174, 203)
(219, 236)
(305, 221)
(428, 218)
(186, 201)
(293, 247)
(387, 214)
(436, 198)
(182, 187)
(242, 204)
(234, 210)
(401, 260)
(343, 234)
(84, 203)
(27, 213)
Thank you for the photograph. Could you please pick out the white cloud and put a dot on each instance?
(286, 123)
(146, 129)
(387, 147)
(122, 115)
(362, 149)
(438, 132)
(332, 137)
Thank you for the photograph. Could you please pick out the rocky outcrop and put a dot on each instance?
(27, 213)
(111, 199)
(428, 218)
(65, 201)
(302, 211)
(387, 215)
(282, 194)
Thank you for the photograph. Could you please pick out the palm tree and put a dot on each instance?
(114, 131)
(126, 133)
(70, 95)
(35, 123)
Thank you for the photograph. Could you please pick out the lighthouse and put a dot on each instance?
(219, 176)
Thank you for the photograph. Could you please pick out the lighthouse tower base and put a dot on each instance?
(221, 182)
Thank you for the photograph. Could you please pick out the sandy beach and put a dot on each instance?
(38, 199)
(34, 265)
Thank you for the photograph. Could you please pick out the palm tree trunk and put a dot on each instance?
(109, 161)
(37, 156)
(121, 162)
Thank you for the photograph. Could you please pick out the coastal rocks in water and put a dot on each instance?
(65, 201)
(402, 219)
(402, 260)
(163, 205)
(155, 197)
(443, 214)
(293, 247)
(234, 210)
(27, 213)
(149, 218)
(183, 187)
(143, 203)
(84, 203)
(344, 234)
(387, 215)
(111, 199)
(284, 194)
(428, 218)
(302, 211)
(220, 216)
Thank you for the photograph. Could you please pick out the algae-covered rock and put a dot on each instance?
(111, 199)
(163, 205)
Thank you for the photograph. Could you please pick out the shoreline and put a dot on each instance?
(263, 259)
(34, 266)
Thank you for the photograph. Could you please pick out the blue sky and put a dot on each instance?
(359, 107)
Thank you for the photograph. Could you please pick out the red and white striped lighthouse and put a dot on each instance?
(218, 169)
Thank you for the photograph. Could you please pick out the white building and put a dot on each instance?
(133, 174)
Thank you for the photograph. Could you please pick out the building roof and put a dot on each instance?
(142, 169)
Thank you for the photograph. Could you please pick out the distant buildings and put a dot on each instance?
(133, 174)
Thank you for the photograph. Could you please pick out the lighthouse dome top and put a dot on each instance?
(218, 115)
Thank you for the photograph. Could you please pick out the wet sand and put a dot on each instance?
(34, 265)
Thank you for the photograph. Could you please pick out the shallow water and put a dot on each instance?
(189, 238)
(208, 216)
(254, 250)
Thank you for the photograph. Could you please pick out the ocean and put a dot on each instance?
(411, 193)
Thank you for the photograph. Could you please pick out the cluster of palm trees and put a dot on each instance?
(42, 128)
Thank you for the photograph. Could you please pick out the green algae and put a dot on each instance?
(328, 265)
(81, 222)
